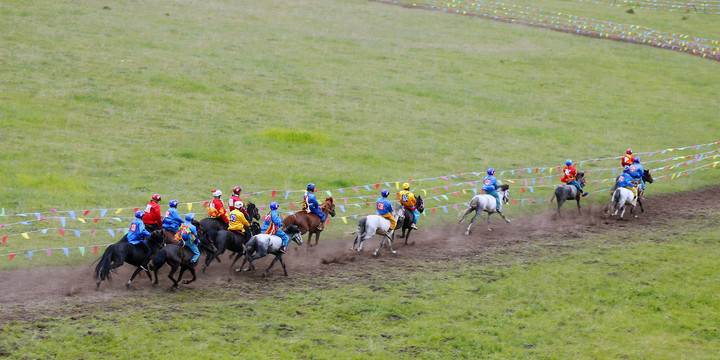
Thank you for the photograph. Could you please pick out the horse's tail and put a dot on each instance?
(466, 211)
(616, 196)
(552, 197)
(102, 270)
(159, 259)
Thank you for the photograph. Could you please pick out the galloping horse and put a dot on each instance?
(307, 222)
(569, 192)
(178, 256)
(410, 219)
(487, 203)
(647, 178)
(123, 252)
(213, 226)
(370, 225)
(230, 240)
(265, 244)
(622, 198)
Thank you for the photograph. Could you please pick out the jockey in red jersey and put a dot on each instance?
(570, 177)
(153, 217)
(628, 159)
(216, 208)
(234, 198)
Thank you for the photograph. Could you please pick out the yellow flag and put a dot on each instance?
(397, 185)
(424, 192)
(25, 235)
(118, 211)
(82, 220)
(189, 205)
(344, 219)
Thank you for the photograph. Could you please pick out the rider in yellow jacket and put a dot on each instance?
(238, 222)
(407, 198)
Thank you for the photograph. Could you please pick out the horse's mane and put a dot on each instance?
(332, 201)
(504, 187)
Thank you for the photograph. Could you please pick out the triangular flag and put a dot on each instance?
(102, 212)
(82, 250)
(62, 232)
(44, 231)
(67, 253)
(48, 251)
(72, 214)
(81, 220)
(62, 221)
(77, 233)
(95, 248)
(30, 254)
(189, 206)
(273, 193)
(12, 256)
(25, 235)
(4, 239)
(86, 212)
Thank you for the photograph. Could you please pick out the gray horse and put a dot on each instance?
(265, 244)
(370, 225)
(487, 203)
(569, 192)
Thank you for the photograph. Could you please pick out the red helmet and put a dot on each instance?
(629, 151)
(237, 190)
(156, 197)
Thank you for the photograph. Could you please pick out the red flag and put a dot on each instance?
(62, 232)
(206, 204)
(514, 202)
(456, 194)
(292, 206)
(96, 220)
(12, 256)
(136, 209)
(86, 212)
(3, 240)
(95, 249)
(522, 189)
(377, 186)
(433, 210)
(436, 190)
(273, 195)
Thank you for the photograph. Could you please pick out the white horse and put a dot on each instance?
(265, 244)
(370, 225)
(622, 198)
(487, 203)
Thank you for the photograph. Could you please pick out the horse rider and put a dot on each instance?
(172, 219)
(490, 186)
(570, 177)
(407, 198)
(188, 237)
(235, 197)
(216, 208)
(626, 180)
(238, 222)
(627, 159)
(272, 225)
(384, 209)
(637, 171)
(153, 217)
(137, 233)
(311, 205)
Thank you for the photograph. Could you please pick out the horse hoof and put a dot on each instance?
(489, 229)
(127, 286)
(393, 251)
(375, 254)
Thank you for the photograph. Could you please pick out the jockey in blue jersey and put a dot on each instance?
(137, 233)
(636, 171)
(188, 235)
(384, 209)
(490, 186)
(272, 224)
(310, 201)
(626, 180)
(172, 219)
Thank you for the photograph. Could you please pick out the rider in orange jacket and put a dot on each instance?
(216, 208)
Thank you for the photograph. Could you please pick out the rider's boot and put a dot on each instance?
(585, 194)
(320, 227)
(413, 226)
(282, 249)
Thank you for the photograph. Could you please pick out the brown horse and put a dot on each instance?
(307, 222)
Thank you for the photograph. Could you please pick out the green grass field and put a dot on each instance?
(103, 104)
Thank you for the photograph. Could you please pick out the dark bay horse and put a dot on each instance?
(262, 244)
(569, 192)
(178, 256)
(409, 219)
(212, 226)
(231, 240)
(123, 252)
(308, 222)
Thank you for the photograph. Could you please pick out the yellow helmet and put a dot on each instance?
(406, 186)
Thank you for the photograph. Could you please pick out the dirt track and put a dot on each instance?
(27, 293)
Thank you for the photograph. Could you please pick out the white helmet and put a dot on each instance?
(216, 193)
(239, 204)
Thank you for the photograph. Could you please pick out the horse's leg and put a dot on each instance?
(382, 242)
(237, 257)
(173, 268)
(278, 256)
(477, 214)
(362, 241)
(194, 275)
(390, 241)
(640, 203)
(489, 214)
(137, 271)
(406, 236)
(578, 204)
(560, 202)
(465, 214)
(502, 214)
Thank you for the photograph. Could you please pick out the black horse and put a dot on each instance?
(409, 219)
(569, 192)
(647, 178)
(123, 252)
(212, 226)
(179, 256)
(231, 240)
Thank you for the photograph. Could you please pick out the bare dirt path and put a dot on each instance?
(27, 294)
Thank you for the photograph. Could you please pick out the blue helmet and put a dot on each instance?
(311, 186)
(626, 168)
(637, 160)
(139, 214)
(568, 162)
(384, 193)
(274, 205)
(173, 203)
(190, 217)
(491, 171)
